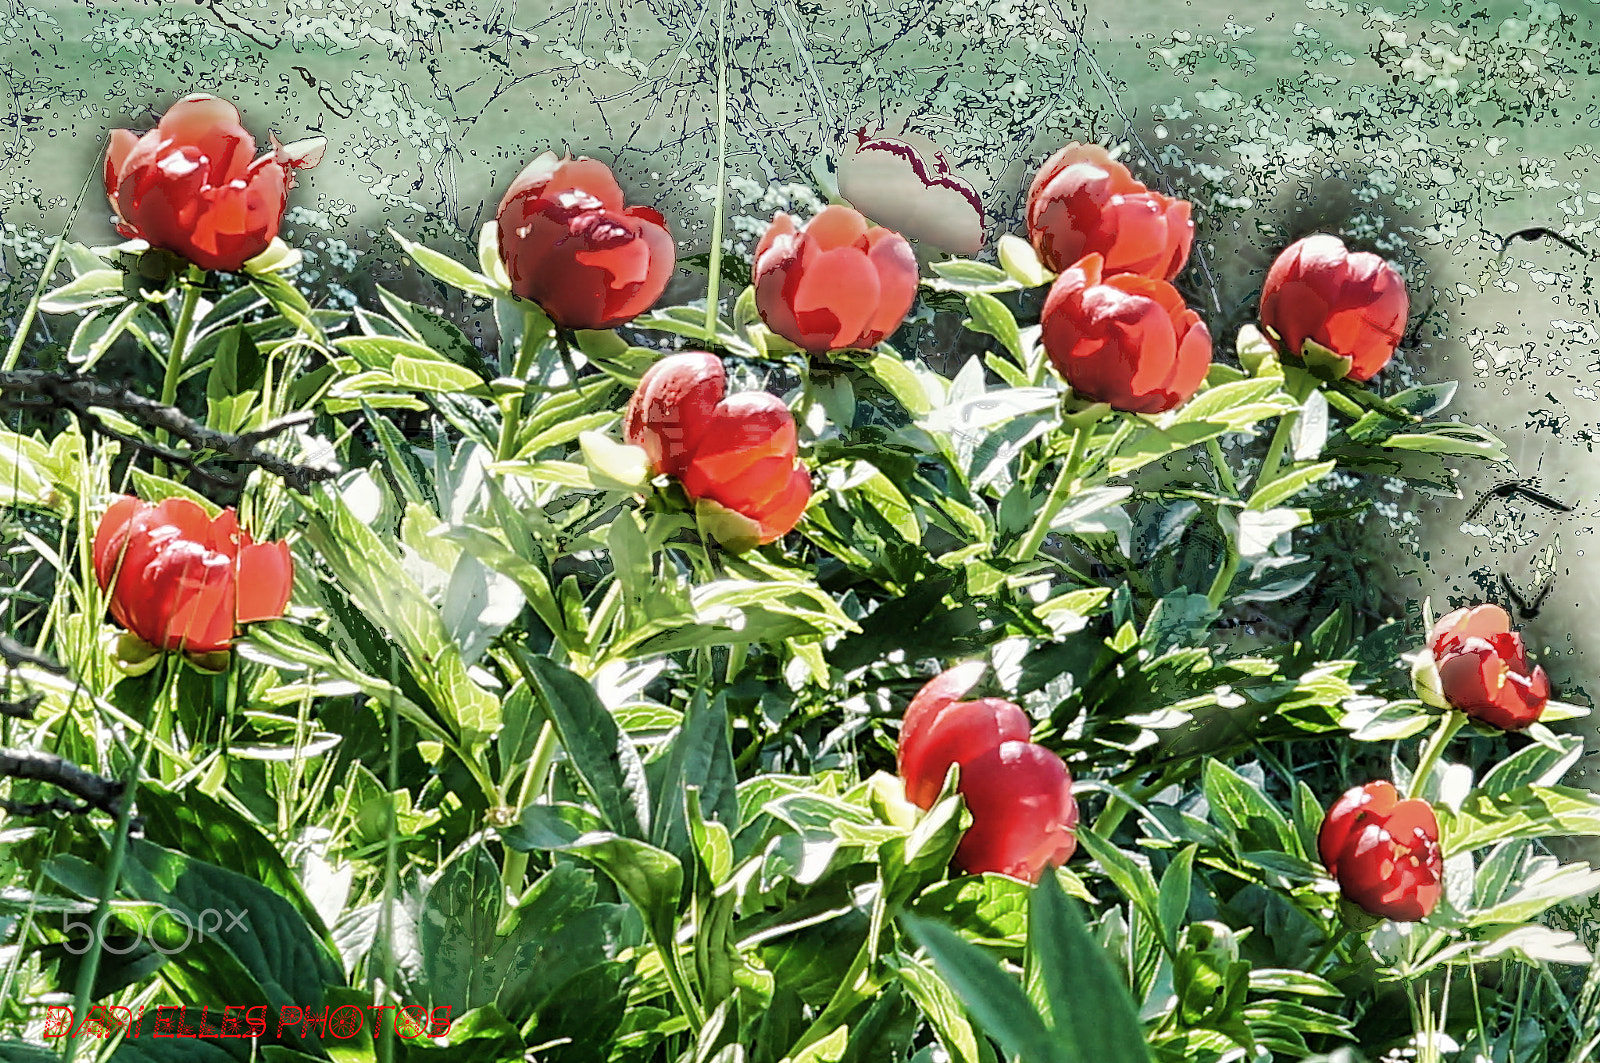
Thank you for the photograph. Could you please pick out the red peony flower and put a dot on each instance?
(737, 451)
(1483, 668)
(570, 245)
(1019, 793)
(1384, 852)
(1352, 303)
(190, 185)
(835, 283)
(1083, 202)
(1126, 340)
(181, 580)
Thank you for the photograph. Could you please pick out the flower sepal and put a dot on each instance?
(1256, 353)
(1356, 917)
(133, 656)
(1323, 363)
(279, 257)
(735, 531)
(213, 663)
(613, 465)
(1425, 679)
(887, 795)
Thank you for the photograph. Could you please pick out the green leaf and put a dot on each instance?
(1093, 1016)
(1127, 874)
(1451, 438)
(447, 269)
(435, 375)
(939, 1005)
(700, 757)
(601, 754)
(98, 287)
(964, 275)
(1526, 812)
(1240, 809)
(1172, 904)
(989, 315)
(990, 995)
(900, 380)
(651, 878)
(1288, 484)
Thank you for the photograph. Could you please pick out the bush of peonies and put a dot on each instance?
(769, 559)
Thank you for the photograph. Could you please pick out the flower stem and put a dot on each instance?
(1330, 948)
(1224, 578)
(1300, 387)
(714, 264)
(513, 873)
(83, 991)
(176, 354)
(511, 416)
(1452, 722)
(1065, 483)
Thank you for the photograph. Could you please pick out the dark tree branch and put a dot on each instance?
(15, 654)
(21, 710)
(75, 394)
(96, 791)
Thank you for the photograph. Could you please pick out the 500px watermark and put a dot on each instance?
(144, 924)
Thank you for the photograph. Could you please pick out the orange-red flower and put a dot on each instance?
(571, 245)
(190, 185)
(1083, 202)
(737, 451)
(1352, 303)
(1126, 340)
(181, 580)
(834, 284)
(1019, 794)
(1384, 852)
(1483, 668)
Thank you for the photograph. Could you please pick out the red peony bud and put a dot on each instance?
(190, 185)
(571, 245)
(834, 284)
(181, 580)
(1352, 303)
(1384, 852)
(1019, 794)
(1125, 340)
(1023, 813)
(1082, 202)
(1483, 668)
(738, 451)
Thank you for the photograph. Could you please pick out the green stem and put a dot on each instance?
(514, 872)
(673, 968)
(715, 262)
(190, 284)
(1065, 483)
(83, 991)
(20, 336)
(1224, 578)
(1300, 386)
(1452, 722)
(1330, 948)
(1224, 472)
(511, 418)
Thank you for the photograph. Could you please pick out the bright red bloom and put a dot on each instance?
(1083, 202)
(571, 245)
(189, 184)
(738, 451)
(1127, 340)
(181, 580)
(1384, 852)
(1353, 303)
(835, 283)
(1483, 668)
(1019, 793)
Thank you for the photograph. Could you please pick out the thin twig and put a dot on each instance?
(35, 388)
